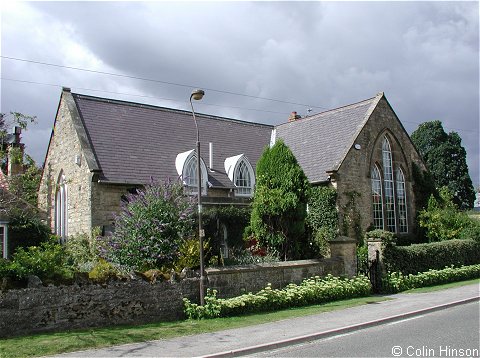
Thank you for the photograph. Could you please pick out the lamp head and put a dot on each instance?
(197, 94)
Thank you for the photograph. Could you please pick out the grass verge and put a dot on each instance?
(55, 343)
(443, 287)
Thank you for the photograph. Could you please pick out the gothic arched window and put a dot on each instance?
(377, 198)
(61, 208)
(243, 178)
(388, 183)
(389, 193)
(401, 201)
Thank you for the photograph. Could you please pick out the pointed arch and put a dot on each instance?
(401, 200)
(241, 173)
(388, 183)
(61, 207)
(186, 165)
(377, 198)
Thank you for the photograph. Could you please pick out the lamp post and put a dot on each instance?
(198, 95)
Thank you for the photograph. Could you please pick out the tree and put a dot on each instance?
(446, 160)
(280, 200)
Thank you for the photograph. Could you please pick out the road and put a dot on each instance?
(453, 332)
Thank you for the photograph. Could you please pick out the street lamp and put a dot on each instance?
(198, 95)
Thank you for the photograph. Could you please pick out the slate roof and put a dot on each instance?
(320, 142)
(132, 142)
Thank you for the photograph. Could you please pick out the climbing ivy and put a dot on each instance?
(322, 218)
(351, 222)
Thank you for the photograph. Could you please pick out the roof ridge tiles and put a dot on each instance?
(333, 110)
(167, 109)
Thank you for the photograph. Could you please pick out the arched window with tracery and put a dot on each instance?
(186, 165)
(190, 173)
(243, 179)
(240, 172)
(388, 183)
(377, 198)
(401, 201)
(61, 209)
(389, 187)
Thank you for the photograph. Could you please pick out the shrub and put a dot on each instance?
(422, 257)
(279, 203)
(83, 250)
(26, 229)
(47, 261)
(189, 254)
(150, 227)
(247, 257)
(103, 271)
(396, 282)
(5, 268)
(443, 221)
(315, 290)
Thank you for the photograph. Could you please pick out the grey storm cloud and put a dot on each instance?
(423, 55)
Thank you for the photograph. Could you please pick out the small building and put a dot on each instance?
(100, 149)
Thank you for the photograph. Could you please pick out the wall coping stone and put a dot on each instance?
(266, 266)
(342, 239)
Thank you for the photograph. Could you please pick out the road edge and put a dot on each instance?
(325, 334)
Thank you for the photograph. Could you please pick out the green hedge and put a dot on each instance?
(396, 282)
(437, 255)
(315, 290)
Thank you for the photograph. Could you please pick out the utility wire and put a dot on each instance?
(139, 95)
(156, 81)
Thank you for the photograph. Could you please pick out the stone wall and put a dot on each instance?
(234, 281)
(78, 306)
(62, 308)
(106, 201)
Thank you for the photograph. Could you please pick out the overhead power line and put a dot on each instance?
(139, 95)
(157, 81)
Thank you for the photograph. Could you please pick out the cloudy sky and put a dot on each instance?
(257, 61)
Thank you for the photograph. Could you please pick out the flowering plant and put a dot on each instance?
(150, 228)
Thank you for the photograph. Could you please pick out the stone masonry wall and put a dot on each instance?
(63, 154)
(61, 308)
(106, 201)
(235, 281)
(354, 173)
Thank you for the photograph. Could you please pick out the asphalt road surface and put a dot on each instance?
(453, 332)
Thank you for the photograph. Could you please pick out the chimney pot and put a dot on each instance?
(293, 117)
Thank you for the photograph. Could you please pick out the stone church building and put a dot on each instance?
(100, 149)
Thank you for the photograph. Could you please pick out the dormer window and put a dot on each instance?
(240, 172)
(186, 165)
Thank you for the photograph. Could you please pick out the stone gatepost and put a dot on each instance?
(375, 252)
(345, 249)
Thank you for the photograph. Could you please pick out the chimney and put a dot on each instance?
(210, 155)
(15, 154)
(294, 116)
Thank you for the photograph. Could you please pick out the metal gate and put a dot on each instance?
(371, 269)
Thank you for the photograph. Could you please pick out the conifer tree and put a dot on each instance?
(279, 203)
